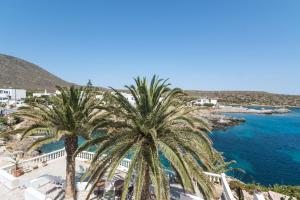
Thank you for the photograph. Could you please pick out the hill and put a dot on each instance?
(18, 73)
(249, 98)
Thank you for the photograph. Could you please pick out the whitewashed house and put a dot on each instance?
(3, 98)
(204, 101)
(12, 95)
(129, 97)
(99, 96)
(41, 94)
(45, 93)
(57, 92)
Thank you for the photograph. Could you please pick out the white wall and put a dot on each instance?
(40, 94)
(8, 180)
(3, 98)
(32, 194)
(14, 94)
(205, 101)
(129, 97)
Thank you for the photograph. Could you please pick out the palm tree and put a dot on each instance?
(72, 114)
(159, 123)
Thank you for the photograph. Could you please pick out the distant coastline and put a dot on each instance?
(264, 105)
(244, 109)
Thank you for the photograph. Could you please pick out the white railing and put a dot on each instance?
(124, 165)
(39, 159)
(46, 157)
(214, 178)
(85, 155)
(7, 179)
(226, 189)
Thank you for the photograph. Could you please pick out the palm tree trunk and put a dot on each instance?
(71, 144)
(146, 187)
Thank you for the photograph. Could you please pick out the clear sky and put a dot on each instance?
(204, 45)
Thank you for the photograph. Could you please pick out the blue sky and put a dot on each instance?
(204, 45)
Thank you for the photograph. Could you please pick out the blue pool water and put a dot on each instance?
(267, 147)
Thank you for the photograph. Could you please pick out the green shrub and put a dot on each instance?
(3, 120)
(292, 191)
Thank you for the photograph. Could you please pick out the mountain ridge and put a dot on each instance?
(20, 73)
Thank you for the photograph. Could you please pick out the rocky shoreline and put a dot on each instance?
(225, 122)
(218, 121)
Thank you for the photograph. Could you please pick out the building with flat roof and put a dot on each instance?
(12, 94)
(204, 101)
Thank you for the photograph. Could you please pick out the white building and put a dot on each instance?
(3, 98)
(12, 95)
(57, 92)
(45, 93)
(129, 97)
(99, 96)
(41, 94)
(205, 101)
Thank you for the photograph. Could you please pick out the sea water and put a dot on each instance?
(266, 147)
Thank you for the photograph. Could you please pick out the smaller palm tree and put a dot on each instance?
(17, 170)
(66, 117)
(221, 166)
(158, 124)
(16, 162)
(225, 167)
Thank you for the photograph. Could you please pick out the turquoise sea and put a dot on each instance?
(267, 147)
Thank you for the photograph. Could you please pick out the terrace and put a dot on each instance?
(44, 179)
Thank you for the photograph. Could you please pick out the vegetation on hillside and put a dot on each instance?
(292, 191)
(249, 98)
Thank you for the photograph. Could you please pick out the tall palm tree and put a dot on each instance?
(72, 114)
(158, 123)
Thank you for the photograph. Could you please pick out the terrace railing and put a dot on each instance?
(124, 165)
(85, 155)
(226, 189)
(48, 157)
(214, 178)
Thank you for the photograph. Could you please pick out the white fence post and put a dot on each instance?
(226, 189)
